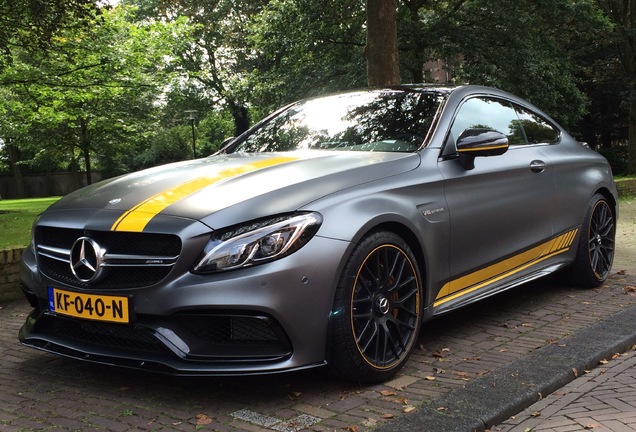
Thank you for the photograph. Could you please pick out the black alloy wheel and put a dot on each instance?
(602, 230)
(377, 312)
(595, 252)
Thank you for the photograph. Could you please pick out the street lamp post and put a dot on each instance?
(192, 117)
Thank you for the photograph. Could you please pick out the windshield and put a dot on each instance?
(393, 121)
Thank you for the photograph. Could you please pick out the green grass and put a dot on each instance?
(16, 218)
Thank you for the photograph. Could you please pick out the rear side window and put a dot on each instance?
(537, 129)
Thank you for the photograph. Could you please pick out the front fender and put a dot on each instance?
(416, 211)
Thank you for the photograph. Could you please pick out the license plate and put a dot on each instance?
(89, 306)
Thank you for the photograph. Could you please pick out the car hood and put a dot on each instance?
(227, 189)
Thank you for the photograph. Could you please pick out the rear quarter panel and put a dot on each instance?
(578, 174)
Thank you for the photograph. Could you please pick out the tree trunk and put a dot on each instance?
(85, 145)
(49, 179)
(627, 53)
(74, 168)
(417, 42)
(383, 66)
(240, 115)
(14, 158)
(631, 147)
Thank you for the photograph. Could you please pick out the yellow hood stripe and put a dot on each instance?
(498, 271)
(139, 216)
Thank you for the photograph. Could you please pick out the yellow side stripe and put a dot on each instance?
(496, 272)
(139, 216)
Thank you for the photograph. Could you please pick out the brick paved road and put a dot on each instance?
(603, 400)
(39, 391)
(42, 391)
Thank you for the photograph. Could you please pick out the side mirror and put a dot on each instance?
(475, 142)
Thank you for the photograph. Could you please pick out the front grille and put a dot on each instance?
(135, 270)
(114, 278)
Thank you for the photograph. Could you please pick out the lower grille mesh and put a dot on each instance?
(101, 334)
(208, 337)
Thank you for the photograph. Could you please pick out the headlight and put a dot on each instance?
(257, 243)
(32, 244)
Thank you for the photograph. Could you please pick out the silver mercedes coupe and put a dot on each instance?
(327, 234)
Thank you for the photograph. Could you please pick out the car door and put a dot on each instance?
(498, 209)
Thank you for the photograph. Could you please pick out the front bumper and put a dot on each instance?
(263, 319)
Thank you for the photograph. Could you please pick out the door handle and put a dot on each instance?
(537, 166)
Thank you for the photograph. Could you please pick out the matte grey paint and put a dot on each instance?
(457, 221)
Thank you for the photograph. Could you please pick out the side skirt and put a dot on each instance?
(489, 291)
(533, 263)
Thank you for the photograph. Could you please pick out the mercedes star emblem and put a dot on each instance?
(86, 259)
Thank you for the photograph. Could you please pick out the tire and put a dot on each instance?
(595, 250)
(377, 310)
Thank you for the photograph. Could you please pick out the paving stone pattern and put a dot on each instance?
(40, 391)
(603, 400)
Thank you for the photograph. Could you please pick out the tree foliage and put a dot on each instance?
(218, 56)
(528, 47)
(306, 48)
(84, 86)
(622, 14)
(95, 98)
(30, 25)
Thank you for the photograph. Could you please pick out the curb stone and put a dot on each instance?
(510, 389)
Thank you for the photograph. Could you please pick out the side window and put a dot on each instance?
(537, 129)
(489, 114)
